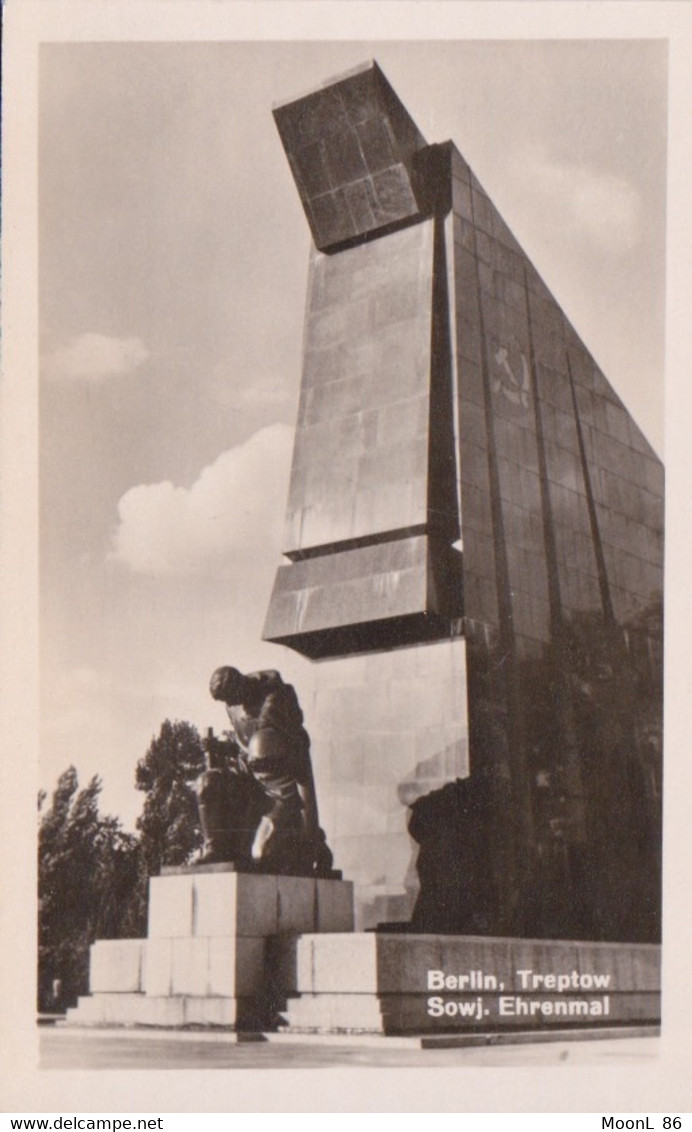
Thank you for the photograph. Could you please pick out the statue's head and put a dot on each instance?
(227, 684)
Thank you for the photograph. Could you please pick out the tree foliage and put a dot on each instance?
(169, 825)
(88, 868)
(93, 876)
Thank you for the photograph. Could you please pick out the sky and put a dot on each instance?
(173, 257)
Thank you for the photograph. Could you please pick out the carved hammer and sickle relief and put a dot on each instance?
(515, 389)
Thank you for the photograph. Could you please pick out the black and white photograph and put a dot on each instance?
(338, 489)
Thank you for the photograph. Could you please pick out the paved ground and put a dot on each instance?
(63, 1048)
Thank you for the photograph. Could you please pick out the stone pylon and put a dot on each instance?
(474, 532)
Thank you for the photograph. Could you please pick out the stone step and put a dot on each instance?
(333, 1013)
(163, 1011)
(216, 966)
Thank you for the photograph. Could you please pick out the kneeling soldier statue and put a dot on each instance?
(256, 798)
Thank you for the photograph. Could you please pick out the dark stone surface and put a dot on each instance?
(382, 584)
(351, 149)
(410, 1013)
(580, 511)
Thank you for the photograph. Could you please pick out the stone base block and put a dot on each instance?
(225, 903)
(427, 1014)
(117, 965)
(223, 966)
(425, 984)
(377, 963)
(164, 1012)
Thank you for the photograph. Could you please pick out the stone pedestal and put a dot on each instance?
(208, 959)
(252, 952)
(426, 984)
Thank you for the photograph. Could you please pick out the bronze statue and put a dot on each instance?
(256, 797)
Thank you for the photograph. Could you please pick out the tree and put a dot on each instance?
(87, 878)
(93, 876)
(169, 824)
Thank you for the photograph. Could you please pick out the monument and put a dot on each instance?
(474, 536)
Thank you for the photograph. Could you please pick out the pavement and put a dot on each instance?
(63, 1047)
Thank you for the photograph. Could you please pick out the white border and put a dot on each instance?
(663, 1085)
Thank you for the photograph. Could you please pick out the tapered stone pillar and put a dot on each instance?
(474, 543)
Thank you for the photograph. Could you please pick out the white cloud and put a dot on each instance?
(94, 357)
(233, 513)
(600, 207)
